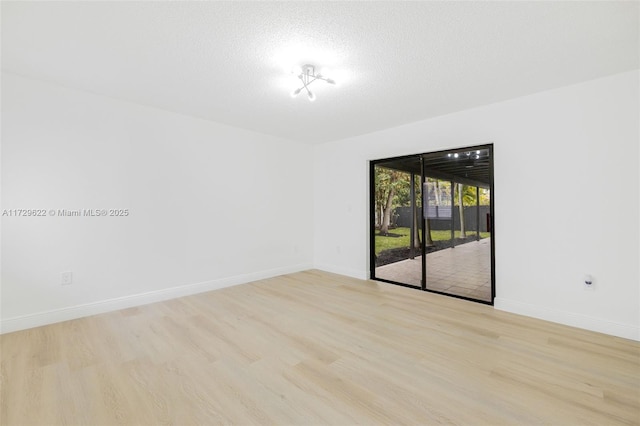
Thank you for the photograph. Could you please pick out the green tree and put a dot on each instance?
(392, 190)
(485, 197)
(388, 183)
(466, 196)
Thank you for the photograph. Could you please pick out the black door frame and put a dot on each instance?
(372, 225)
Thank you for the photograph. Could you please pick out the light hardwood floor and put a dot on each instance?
(316, 348)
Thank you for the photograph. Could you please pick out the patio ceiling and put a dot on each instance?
(467, 166)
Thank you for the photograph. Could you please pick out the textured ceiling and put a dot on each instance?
(395, 62)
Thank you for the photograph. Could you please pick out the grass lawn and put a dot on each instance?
(386, 243)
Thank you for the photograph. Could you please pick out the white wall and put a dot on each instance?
(210, 205)
(206, 201)
(573, 149)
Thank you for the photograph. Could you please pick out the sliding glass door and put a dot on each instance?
(432, 222)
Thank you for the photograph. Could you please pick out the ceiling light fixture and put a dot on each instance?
(307, 75)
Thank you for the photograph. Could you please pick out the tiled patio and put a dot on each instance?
(464, 270)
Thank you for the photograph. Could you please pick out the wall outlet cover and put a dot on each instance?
(66, 278)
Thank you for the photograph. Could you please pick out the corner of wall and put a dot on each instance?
(349, 272)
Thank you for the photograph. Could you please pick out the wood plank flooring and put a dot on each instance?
(316, 348)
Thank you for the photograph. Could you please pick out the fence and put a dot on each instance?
(402, 218)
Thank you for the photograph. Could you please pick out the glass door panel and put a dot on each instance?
(458, 260)
(397, 218)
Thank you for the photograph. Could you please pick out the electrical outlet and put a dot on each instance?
(588, 283)
(66, 278)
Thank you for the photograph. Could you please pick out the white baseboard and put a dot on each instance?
(58, 315)
(626, 331)
(353, 273)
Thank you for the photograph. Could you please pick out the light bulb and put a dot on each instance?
(295, 92)
(330, 81)
(312, 96)
(478, 152)
(455, 155)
